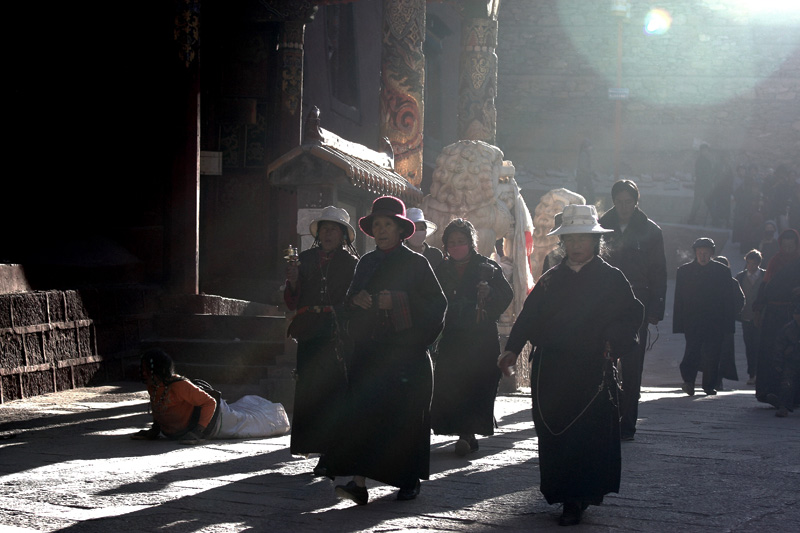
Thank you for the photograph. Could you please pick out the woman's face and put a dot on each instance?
(386, 232)
(579, 246)
(788, 246)
(625, 204)
(456, 238)
(330, 235)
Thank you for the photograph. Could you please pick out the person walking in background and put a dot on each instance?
(788, 251)
(315, 284)
(750, 280)
(787, 365)
(465, 365)
(703, 311)
(703, 185)
(727, 356)
(748, 218)
(580, 315)
(720, 195)
(423, 230)
(584, 176)
(768, 245)
(393, 311)
(772, 310)
(636, 247)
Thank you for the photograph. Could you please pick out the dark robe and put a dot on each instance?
(320, 380)
(568, 318)
(727, 359)
(385, 435)
(466, 373)
(774, 303)
(704, 310)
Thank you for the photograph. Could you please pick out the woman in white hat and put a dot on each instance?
(315, 284)
(424, 229)
(395, 309)
(578, 317)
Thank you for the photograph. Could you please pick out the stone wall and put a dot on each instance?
(719, 75)
(61, 339)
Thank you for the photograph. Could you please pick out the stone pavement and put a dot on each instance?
(723, 463)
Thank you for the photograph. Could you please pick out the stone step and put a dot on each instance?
(234, 354)
(220, 327)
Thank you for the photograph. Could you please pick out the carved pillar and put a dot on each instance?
(183, 236)
(477, 114)
(402, 108)
(290, 99)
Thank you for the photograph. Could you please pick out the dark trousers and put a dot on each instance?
(632, 364)
(702, 353)
(750, 335)
(788, 384)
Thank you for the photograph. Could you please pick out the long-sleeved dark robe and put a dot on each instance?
(568, 318)
(385, 435)
(775, 302)
(466, 373)
(320, 385)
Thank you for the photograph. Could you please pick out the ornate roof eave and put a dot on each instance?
(364, 168)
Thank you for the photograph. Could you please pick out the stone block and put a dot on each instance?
(29, 308)
(56, 309)
(11, 355)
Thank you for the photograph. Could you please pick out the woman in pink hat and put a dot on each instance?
(394, 311)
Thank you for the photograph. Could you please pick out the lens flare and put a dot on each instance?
(657, 22)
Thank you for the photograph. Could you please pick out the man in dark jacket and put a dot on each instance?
(636, 248)
(704, 311)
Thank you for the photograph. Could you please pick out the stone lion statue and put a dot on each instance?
(464, 185)
(550, 204)
(472, 181)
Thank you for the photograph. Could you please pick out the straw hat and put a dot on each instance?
(334, 214)
(415, 214)
(579, 219)
(391, 207)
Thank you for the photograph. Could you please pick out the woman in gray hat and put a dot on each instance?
(395, 309)
(315, 285)
(578, 317)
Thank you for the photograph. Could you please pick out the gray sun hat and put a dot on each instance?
(579, 219)
(334, 214)
(415, 215)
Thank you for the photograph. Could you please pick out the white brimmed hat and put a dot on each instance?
(579, 219)
(415, 214)
(334, 214)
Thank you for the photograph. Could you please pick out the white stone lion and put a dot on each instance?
(472, 181)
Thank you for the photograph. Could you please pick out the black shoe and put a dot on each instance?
(466, 444)
(710, 392)
(688, 388)
(408, 494)
(773, 400)
(572, 514)
(351, 491)
(627, 437)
